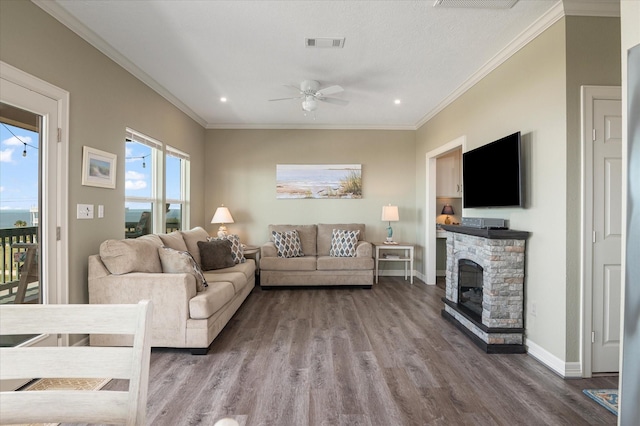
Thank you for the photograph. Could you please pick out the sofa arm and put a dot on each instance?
(268, 250)
(170, 294)
(364, 249)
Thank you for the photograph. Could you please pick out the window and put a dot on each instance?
(156, 187)
(176, 178)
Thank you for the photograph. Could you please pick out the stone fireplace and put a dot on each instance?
(485, 286)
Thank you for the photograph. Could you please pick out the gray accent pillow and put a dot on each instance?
(237, 251)
(215, 254)
(176, 262)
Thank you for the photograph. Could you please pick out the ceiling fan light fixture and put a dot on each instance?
(309, 104)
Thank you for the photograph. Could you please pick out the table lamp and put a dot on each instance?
(448, 210)
(390, 214)
(222, 216)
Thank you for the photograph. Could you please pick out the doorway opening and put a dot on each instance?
(432, 204)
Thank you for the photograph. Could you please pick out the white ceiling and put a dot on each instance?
(195, 52)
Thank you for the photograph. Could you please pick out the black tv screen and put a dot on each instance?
(492, 174)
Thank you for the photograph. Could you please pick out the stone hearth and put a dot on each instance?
(501, 255)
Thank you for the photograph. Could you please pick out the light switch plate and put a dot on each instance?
(100, 211)
(85, 211)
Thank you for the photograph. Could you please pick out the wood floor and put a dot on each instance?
(383, 356)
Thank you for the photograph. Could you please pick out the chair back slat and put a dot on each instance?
(71, 362)
(88, 407)
(71, 406)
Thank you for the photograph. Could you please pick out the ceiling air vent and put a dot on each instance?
(324, 42)
(475, 4)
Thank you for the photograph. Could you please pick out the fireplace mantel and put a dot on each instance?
(492, 234)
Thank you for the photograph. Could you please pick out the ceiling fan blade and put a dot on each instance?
(329, 91)
(286, 99)
(335, 101)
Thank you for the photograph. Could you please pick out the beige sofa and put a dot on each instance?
(316, 267)
(127, 271)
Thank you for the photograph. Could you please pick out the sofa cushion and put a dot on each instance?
(215, 254)
(210, 301)
(132, 255)
(174, 240)
(237, 252)
(343, 243)
(306, 263)
(248, 269)
(178, 262)
(325, 232)
(287, 243)
(191, 238)
(237, 278)
(330, 263)
(306, 233)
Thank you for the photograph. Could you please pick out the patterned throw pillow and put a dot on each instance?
(236, 247)
(287, 243)
(343, 243)
(176, 261)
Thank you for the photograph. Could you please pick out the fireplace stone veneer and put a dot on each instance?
(501, 254)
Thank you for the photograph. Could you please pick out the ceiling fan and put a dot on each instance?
(310, 93)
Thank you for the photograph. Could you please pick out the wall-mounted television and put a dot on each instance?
(492, 174)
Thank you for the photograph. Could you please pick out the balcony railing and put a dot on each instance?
(13, 258)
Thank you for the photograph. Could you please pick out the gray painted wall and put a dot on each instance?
(537, 91)
(241, 172)
(104, 100)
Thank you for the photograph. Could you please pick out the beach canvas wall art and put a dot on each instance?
(318, 181)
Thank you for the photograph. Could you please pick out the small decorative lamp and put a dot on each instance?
(448, 210)
(390, 214)
(222, 216)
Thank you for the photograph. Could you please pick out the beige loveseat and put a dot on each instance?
(316, 267)
(127, 271)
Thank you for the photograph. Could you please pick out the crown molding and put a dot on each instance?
(606, 8)
(306, 127)
(69, 21)
(553, 15)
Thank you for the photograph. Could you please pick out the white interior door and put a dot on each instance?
(49, 250)
(607, 235)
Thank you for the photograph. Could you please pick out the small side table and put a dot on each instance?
(405, 256)
(253, 252)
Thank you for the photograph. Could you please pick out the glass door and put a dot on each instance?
(29, 204)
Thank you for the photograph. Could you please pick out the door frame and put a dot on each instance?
(589, 94)
(61, 97)
(430, 208)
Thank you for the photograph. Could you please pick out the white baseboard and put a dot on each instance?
(566, 370)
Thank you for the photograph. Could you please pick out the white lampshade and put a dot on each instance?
(390, 213)
(222, 215)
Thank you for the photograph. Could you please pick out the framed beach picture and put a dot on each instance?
(318, 181)
(98, 168)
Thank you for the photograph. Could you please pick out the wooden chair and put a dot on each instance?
(75, 406)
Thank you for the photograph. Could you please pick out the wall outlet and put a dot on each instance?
(85, 211)
(534, 309)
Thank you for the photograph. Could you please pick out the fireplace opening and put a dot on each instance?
(470, 287)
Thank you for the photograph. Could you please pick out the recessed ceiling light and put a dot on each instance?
(397, 102)
(223, 99)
